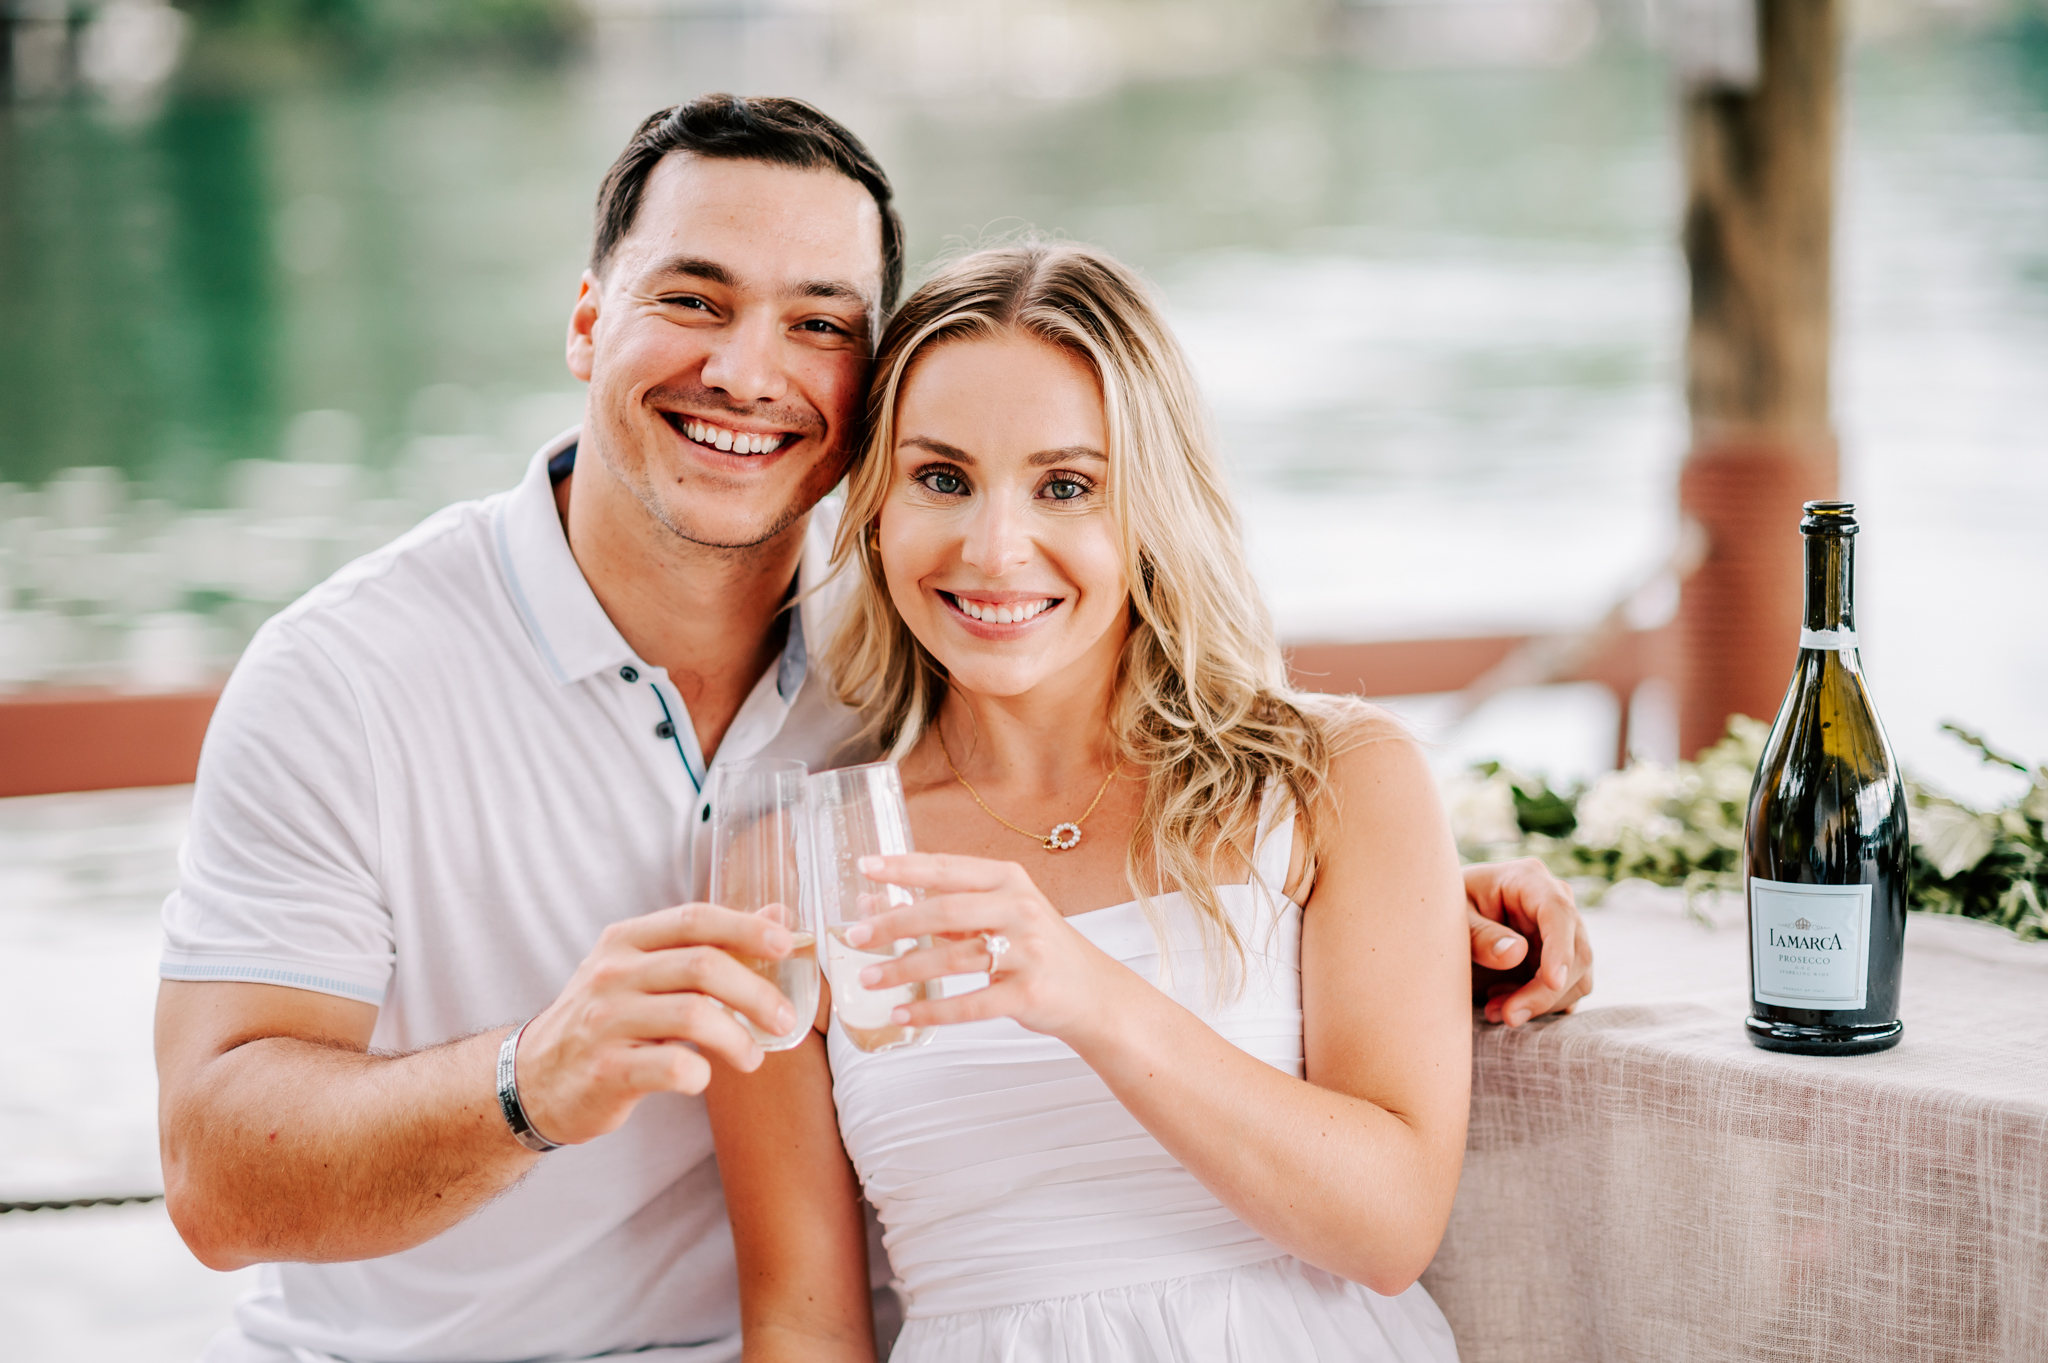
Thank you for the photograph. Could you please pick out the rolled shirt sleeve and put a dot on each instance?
(278, 878)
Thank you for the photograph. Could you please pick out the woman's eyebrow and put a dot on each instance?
(1066, 454)
(938, 447)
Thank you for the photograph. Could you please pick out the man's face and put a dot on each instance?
(727, 345)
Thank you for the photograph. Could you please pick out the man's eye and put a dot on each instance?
(943, 483)
(1064, 489)
(819, 324)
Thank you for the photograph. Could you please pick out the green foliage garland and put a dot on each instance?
(1682, 825)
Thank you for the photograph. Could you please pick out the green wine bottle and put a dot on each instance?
(1825, 851)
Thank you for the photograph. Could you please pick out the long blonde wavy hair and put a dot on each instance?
(1201, 704)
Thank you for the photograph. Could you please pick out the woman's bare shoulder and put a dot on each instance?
(1374, 757)
(1351, 724)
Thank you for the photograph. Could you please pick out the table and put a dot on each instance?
(1642, 1183)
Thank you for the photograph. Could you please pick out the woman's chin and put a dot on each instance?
(974, 676)
(1043, 654)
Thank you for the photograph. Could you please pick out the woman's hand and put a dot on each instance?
(1051, 979)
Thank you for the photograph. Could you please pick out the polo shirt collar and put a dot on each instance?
(569, 629)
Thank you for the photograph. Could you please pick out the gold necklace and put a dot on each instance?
(1064, 836)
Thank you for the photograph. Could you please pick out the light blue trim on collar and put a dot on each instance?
(796, 659)
(570, 630)
(520, 603)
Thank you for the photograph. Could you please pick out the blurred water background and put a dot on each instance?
(277, 279)
(261, 313)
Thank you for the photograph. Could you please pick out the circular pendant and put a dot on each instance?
(1062, 837)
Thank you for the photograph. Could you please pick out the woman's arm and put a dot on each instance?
(795, 1206)
(1353, 1170)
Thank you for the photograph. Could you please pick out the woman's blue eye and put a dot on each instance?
(1064, 489)
(945, 484)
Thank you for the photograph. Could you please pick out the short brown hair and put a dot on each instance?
(777, 130)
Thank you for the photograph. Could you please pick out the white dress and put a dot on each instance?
(1030, 1218)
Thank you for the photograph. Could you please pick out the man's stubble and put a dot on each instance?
(639, 479)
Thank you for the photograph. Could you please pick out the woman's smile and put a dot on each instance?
(998, 615)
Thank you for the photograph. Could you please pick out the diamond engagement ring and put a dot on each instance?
(997, 944)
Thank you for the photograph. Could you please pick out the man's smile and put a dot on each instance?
(725, 439)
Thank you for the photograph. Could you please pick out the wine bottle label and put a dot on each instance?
(1827, 638)
(1810, 944)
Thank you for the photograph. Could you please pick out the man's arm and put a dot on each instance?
(1508, 906)
(284, 1138)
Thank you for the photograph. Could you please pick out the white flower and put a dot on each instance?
(1482, 809)
(1953, 838)
(1636, 799)
(2035, 805)
(1729, 783)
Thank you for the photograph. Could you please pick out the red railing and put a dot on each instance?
(103, 740)
(99, 740)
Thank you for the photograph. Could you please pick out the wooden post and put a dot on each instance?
(1758, 227)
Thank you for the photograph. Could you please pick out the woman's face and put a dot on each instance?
(996, 537)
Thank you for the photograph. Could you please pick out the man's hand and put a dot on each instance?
(284, 1138)
(638, 1011)
(1508, 905)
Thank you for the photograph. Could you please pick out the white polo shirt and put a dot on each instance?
(429, 785)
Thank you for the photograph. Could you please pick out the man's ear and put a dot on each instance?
(582, 323)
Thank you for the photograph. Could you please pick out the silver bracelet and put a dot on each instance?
(508, 1095)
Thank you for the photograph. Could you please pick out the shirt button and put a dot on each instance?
(664, 730)
(706, 815)
(629, 674)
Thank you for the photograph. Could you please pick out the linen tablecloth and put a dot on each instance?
(1642, 1183)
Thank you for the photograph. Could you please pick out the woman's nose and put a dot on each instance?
(996, 538)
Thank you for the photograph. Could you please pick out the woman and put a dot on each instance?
(1212, 1103)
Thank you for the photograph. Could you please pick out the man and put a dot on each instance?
(438, 779)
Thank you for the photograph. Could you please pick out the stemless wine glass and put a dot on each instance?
(757, 832)
(859, 812)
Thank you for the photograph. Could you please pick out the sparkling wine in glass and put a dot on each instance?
(757, 832)
(859, 812)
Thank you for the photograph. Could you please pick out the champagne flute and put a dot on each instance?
(757, 831)
(859, 812)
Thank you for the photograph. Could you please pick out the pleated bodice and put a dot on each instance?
(1005, 1170)
(1029, 1216)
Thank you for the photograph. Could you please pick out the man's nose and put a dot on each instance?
(997, 539)
(746, 361)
